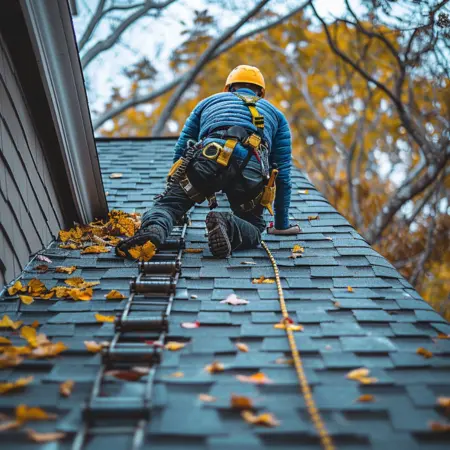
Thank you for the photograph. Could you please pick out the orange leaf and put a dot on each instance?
(356, 374)
(102, 318)
(349, 289)
(15, 288)
(9, 360)
(215, 367)
(49, 294)
(206, 398)
(67, 270)
(95, 347)
(257, 378)
(265, 419)
(438, 426)
(4, 341)
(81, 294)
(443, 401)
(36, 287)
(263, 280)
(60, 291)
(25, 413)
(26, 299)
(316, 217)
(242, 347)
(193, 250)
(95, 249)
(35, 324)
(66, 388)
(443, 336)
(143, 252)
(71, 246)
(174, 346)
(424, 352)
(114, 295)
(30, 335)
(13, 385)
(78, 282)
(366, 398)
(41, 268)
(50, 350)
(241, 402)
(45, 437)
(6, 322)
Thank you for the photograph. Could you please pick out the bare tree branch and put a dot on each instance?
(107, 43)
(95, 19)
(180, 90)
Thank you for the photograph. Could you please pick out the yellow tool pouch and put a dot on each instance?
(269, 192)
(174, 167)
(227, 150)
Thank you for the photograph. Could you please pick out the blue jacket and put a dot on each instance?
(225, 110)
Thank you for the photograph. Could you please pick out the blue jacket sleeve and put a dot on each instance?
(191, 130)
(281, 155)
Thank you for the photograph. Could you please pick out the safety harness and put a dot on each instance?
(222, 155)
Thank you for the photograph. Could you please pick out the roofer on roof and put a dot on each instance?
(235, 142)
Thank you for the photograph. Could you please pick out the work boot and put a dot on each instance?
(153, 233)
(217, 225)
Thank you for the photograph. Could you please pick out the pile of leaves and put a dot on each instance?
(97, 236)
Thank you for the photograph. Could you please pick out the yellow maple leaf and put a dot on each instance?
(36, 287)
(15, 288)
(67, 270)
(174, 346)
(266, 419)
(78, 282)
(114, 295)
(298, 249)
(25, 413)
(102, 318)
(13, 385)
(26, 299)
(60, 291)
(81, 294)
(143, 252)
(95, 249)
(6, 322)
(349, 289)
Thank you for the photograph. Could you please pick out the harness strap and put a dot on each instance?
(250, 102)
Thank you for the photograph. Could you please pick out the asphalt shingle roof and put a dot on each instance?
(379, 325)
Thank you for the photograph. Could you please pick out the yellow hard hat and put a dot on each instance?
(246, 74)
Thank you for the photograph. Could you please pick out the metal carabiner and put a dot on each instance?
(212, 150)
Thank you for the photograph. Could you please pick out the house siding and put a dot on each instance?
(30, 215)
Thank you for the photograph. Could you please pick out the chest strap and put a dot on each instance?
(250, 103)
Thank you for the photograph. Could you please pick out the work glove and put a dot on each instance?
(293, 229)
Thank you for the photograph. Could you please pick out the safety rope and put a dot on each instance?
(325, 438)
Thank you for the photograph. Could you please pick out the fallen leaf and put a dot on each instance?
(67, 270)
(241, 401)
(30, 335)
(206, 398)
(6, 322)
(102, 318)
(95, 347)
(316, 217)
(234, 300)
(13, 385)
(44, 258)
(50, 350)
(36, 287)
(215, 367)
(194, 297)
(41, 268)
(438, 426)
(114, 176)
(26, 299)
(4, 341)
(17, 350)
(328, 238)
(443, 401)
(356, 374)
(8, 360)
(424, 352)
(66, 388)
(81, 294)
(45, 437)
(49, 294)
(298, 249)
(128, 375)
(257, 378)
(443, 336)
(25, 413)
(265, 419)
(195, 324)
(95, 249)
(349, 289)
(15, 288)
(263, 280)
(193, 250)
(114, 295)
(174, 346)
(143, 252)
(366, 398)
(176, 375)
(60, 291)
(242, 347)
(35, 324)
(80, 283)
(71, 246)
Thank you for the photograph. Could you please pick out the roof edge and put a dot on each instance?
(51, 31)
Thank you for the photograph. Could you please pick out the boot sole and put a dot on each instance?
(218, 241)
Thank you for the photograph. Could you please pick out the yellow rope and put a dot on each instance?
(313, 412)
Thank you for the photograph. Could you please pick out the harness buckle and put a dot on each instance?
(212, 150)
(253, 140)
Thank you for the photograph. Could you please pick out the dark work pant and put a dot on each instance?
(208, 177)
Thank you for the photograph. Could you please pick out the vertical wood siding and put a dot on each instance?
(30, 216)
